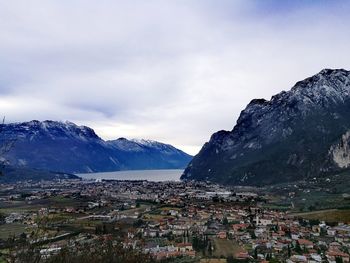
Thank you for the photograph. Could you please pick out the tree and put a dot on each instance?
(138, 223)
(216, 199)
(171, 236)
(256, 253)
(274, 260)
(210, 249)
(252, 234)
(23, 236)
(298, 248)
(2, 218)
(314, 222)
(195, 243)
(312, 208)
(23, 252)
(230, 259)
(289, 251)
(339, 260)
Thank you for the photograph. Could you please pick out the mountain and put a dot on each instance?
(66, 147)
(298, 134)
(147, 154)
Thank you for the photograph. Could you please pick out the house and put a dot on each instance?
(183, 247)
(45, 253)
(259, 232)
(242, 255)
(297, 259)
(295, 236)
(334, 246)
(304, 243)
(332, 255)
(237, 227)
(315, 258)
(263, 221)
(331, 232)
(222, 235)
(342, 230)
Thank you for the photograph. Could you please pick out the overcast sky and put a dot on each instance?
(169, 70)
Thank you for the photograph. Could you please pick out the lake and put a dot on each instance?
(149, 175)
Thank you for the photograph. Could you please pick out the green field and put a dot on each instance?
(25, 206)
(314, 194)
(8, 230)
(331, 215)
(225, 247)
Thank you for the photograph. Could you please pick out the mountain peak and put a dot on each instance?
(329, 71)
(145, 142)
(257, 102)
(144, 145)
(336, 77)
(329, 86)
(50, 128)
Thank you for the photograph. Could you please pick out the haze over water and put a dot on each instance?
(134, 175)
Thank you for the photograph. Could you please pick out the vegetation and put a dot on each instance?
(331, 215)
(225, 247)
(100, 251)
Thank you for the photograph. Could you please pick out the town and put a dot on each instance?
(173, 221)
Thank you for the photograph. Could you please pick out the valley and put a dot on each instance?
(175, 221)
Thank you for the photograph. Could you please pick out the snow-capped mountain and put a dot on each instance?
(147, 154)
(66, 147)
(144, 145)
(297, 134)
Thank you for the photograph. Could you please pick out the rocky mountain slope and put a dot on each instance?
(298, 134)
(66, 147)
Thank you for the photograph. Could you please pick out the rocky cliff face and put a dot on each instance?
(66, 147)
(297, 134)
(340, 153)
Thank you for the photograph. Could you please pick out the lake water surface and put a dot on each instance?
(149, 175)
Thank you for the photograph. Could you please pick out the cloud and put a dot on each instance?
(174, 71)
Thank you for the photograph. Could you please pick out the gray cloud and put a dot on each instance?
(174, 71)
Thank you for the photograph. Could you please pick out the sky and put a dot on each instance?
(175, 71)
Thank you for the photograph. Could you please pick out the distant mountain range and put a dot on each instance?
(298, 134)
(68, 148)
